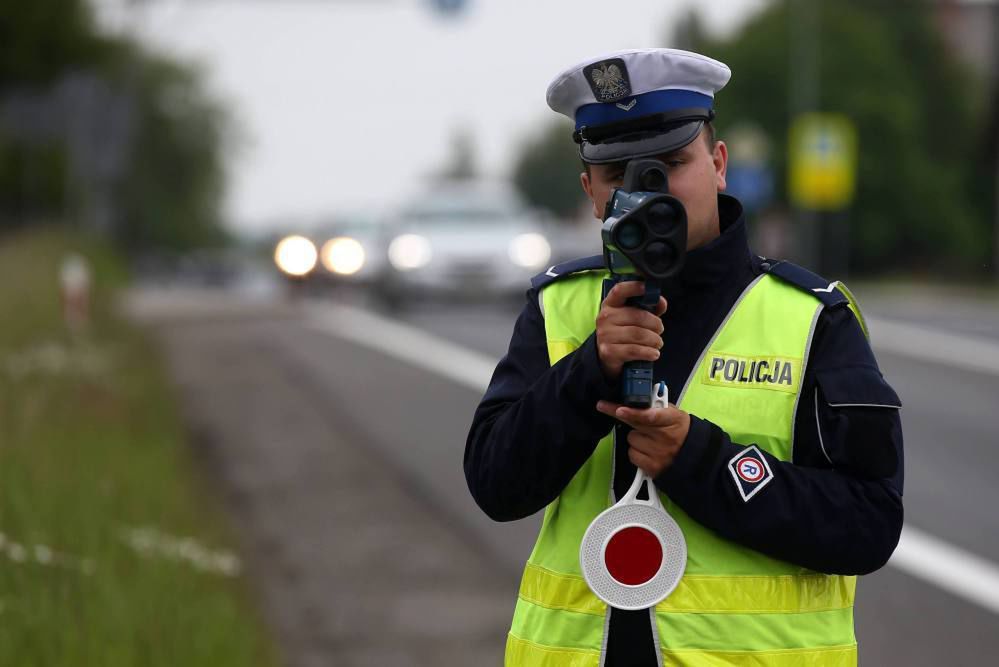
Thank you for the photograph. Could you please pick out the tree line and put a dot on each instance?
(99, 132)
(925, 185)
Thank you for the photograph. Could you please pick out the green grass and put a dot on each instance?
(87, 453)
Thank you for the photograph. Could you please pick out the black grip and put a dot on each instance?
(636, 384)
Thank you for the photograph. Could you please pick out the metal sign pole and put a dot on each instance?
(803, 97)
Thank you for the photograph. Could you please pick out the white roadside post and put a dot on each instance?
(74, 286)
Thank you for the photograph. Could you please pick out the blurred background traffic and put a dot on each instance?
(259, 257)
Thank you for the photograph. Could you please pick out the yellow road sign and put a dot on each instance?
(823, 161)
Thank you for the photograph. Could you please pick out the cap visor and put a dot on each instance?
(641, 145)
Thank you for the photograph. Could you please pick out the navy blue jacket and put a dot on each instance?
(835, 508)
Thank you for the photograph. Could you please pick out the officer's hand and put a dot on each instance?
(658, 434)
(626, 333)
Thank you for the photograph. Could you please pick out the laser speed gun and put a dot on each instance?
(644, 238)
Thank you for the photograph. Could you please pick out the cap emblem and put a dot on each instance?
(608, 80)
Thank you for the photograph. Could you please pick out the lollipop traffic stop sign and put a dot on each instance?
(633, 554)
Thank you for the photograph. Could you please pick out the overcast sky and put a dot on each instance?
(345, 105)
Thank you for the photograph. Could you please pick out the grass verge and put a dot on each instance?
(110, 551)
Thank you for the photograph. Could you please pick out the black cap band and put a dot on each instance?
(659, 122)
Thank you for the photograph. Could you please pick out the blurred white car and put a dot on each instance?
(469, 239)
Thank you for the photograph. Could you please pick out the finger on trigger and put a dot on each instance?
(625, 316)
(623, 291)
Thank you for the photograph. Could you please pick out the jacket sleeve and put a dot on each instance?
(536, 425)
(837, 507)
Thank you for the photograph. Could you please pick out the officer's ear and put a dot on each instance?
(584, 180)
(719, 156)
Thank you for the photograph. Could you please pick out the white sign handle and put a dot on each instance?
(660, 399)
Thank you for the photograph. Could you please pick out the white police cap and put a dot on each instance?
(637, 103)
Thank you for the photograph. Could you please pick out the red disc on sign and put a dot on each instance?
(633, 555)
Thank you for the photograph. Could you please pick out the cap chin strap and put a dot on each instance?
(652, 123)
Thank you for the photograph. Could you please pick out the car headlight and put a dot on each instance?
(530, 251)
(295, 255)
(409, 251)
(342, 255)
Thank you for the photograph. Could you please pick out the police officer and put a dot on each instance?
(781, 459)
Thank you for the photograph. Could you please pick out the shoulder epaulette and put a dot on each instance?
(805, 280)
(559, 271)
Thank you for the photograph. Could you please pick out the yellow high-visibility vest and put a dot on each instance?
(734, 605)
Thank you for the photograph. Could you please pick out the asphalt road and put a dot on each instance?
(411, 423)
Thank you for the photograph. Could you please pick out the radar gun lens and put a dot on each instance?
(659, 257)
(661, 216)
(630, 235)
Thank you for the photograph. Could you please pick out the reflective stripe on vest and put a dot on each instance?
(733, 605)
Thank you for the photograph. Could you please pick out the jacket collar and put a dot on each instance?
(718, 260)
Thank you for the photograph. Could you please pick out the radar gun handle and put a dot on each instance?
(636, 376)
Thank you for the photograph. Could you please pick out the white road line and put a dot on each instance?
(950, 568)
(955, 570)
(925, 344)
(404, 342)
